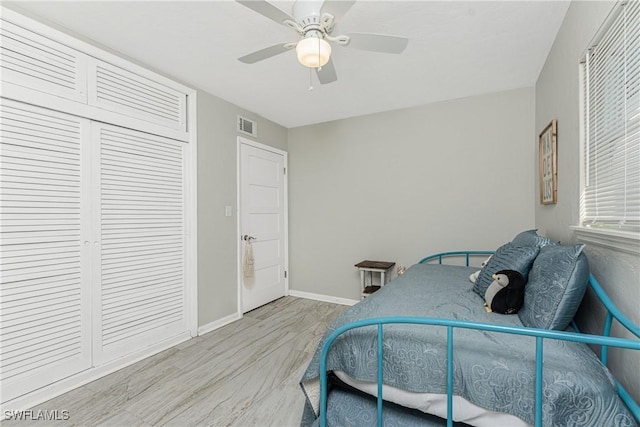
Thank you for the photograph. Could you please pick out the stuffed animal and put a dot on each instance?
(505, 294)
(475, 275)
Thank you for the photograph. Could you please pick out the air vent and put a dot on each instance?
(247, 126)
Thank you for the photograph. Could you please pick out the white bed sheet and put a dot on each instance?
(436, 404)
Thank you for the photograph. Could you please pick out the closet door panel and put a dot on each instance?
(116, 89)
(142, 256)
(44, 293)
(37, 62)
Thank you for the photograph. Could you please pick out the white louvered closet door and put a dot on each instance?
(44, 295)
(141, 263)
(37, 62)
(116, 89)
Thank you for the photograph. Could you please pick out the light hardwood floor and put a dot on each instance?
(244, 374)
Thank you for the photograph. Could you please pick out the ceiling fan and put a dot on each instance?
(314, 21)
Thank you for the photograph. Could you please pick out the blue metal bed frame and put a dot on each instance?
(605, 340)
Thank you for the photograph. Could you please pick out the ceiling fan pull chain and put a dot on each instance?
(310, 82)
(319, 53)
(319, 61)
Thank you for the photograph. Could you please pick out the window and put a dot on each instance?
(611, 110)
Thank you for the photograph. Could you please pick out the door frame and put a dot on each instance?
(284, 154)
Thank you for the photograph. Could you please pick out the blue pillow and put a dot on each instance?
(507, 257)
(531, 238)
(557, 282)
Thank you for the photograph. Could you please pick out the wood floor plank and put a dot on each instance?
(121, 419)
(282, 407)
(215, 343)
(250, 384)
(243, 374)
(157, 366)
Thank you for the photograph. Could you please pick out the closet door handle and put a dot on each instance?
(246, 238)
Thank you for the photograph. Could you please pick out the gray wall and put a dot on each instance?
(399, 185)
(557, 97)
(217, 234)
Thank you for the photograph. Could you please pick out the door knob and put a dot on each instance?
(246, 237)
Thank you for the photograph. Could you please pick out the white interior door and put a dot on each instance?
(262, 214)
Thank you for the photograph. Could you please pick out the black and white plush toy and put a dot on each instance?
(505, 294)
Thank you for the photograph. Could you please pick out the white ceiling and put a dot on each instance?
(456, 49)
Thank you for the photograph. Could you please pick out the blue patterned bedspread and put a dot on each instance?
(493, 370)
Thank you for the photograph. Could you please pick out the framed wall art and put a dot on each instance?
(548, 163)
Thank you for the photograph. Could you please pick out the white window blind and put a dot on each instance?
(611, 192)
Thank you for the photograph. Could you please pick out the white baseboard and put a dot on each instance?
(219, 323)
(50, 391)
(323, 298)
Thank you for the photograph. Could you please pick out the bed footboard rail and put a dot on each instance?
(451, 324)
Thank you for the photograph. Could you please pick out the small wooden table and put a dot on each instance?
(382, 267)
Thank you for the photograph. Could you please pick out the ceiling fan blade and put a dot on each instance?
(378, 42)
(337, 7)
(327, 73)
(265, 53)
(268, 10)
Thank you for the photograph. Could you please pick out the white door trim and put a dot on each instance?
(284, 154)
(191, 193)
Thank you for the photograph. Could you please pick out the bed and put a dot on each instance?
(424, 351)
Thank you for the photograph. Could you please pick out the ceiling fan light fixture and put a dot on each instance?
(313, 52)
